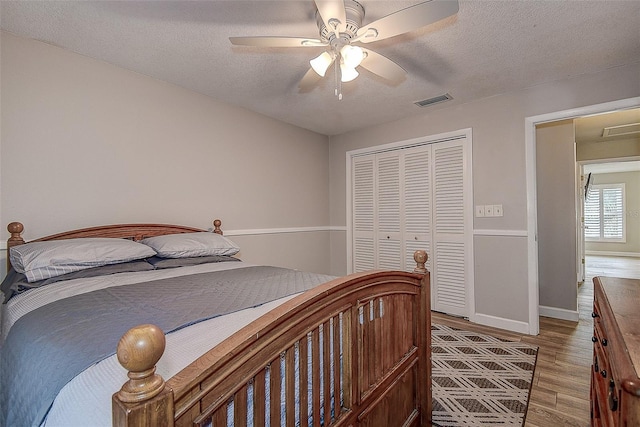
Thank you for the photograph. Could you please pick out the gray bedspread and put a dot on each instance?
(49, 346)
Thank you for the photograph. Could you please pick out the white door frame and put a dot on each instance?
(530, 165)
(581, 181)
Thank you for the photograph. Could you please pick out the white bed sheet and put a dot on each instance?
(89, 394)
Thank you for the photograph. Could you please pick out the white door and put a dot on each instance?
(363, 212)
(414, 198)
(391, 208)
(451, 288)
(417, 197)
(388, 211)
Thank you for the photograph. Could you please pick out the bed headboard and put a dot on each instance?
(121, 231)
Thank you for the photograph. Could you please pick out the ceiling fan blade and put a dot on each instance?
(406, 20)
(276, 41)
(383, 66)
(309, 81)
(331, 10)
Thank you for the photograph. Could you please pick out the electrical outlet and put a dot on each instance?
(497, 210)
(479, 211)
(488, 210)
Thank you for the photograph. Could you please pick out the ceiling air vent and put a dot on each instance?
(434, 100)
(621, 130)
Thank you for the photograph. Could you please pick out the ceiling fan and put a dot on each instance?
(341, 32)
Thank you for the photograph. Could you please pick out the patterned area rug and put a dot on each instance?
(479, 380)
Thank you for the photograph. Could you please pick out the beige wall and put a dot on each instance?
(557, 215)
(618, 148)
(632, 214)
(499, 174)
(85, 143)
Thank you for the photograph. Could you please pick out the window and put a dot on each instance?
(604, 214)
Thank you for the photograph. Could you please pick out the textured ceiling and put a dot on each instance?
(590, 129)
(489, 47)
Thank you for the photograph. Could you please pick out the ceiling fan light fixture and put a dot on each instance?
(347, 73)
(321, 63)
(339, 25)
(352, 56)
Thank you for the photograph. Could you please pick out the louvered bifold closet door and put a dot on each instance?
(363, 213)
(417, 204)
(389, 211)
(451, 227)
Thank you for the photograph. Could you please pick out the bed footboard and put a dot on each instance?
(351, 352)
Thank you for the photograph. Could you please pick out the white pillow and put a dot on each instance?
(184, 245)
(42, 260)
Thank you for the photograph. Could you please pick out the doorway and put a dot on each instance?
(610, 254)
(532, 219)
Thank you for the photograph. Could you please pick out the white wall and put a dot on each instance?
(499, 160)
(85, 143)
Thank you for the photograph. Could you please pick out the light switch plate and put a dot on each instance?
(488, 210)
(479, 210)
(497, 210)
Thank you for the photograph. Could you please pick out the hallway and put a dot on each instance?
(627, 267)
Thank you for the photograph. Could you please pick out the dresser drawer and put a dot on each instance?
(615, 401)
(602, 383)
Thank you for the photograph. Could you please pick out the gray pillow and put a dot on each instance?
(161, 263)
(16, 283)
(185, 245)
(42, 260)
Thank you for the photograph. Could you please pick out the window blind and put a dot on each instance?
(604, 213)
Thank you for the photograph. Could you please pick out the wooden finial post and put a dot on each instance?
(139, 350)
(421, 258)
(216, 226)
(15, 229)
(143, 400)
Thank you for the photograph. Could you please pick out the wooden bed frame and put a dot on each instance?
(379, 320)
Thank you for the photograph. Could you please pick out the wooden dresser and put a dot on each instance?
(615, 383)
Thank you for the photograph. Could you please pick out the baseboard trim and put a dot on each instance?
(502, 323)
(559, 313)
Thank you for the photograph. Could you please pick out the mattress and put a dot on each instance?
(81, 395)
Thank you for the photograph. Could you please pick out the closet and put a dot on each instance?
(415, 195)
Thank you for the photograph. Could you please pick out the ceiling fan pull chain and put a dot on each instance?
(338, 78)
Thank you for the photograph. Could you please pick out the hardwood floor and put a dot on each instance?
(560, 391)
